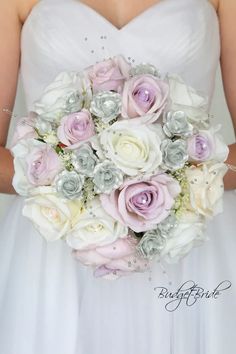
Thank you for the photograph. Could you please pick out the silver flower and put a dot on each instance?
(84, 160)
(174, 154)
(167, 225)
(74, 102)
(151, 244)
(144, 68)
(107, 177)
(106, 105)
(176, 123)
(69, 184)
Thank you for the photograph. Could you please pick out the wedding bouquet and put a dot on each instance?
(122, 164)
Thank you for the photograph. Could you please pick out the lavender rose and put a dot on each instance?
(144, 95)
(76, 127)
(207, 145)
(199, 147)
(142, 205)
(109, 75)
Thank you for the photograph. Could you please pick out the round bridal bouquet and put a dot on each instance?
(122, 164)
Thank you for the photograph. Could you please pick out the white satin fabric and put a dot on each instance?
(49, 303)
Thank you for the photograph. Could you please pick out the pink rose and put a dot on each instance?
(24, 129)
(142, 205)
(116, 258)
(144, 95)
(109, 74)
(76, 127)
(43, 164)
(121, 267)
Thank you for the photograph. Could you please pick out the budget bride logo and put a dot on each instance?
(189, 293)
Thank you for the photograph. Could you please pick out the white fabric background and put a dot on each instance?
(219, 109)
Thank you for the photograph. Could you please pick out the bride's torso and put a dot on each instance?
(178, 36)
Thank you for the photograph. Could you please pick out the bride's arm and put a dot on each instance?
(227, 13)
(10, 28)
(12, 14)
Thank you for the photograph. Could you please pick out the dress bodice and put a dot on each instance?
(178, 36)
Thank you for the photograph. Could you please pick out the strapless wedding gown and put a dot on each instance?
(51, 304)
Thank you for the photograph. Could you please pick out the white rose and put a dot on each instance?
(68, 93)
(187, 99)
(52, 216)
(188, 233)
(95, 228)
(206, 188)
(133, 147)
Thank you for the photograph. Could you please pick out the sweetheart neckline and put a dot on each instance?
(106, 21)
(129, 23)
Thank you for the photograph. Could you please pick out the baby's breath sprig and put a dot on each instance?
(65, 157)
(88, 191)
(100, 126)
(183, 199)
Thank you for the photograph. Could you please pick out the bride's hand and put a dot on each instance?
(230, 177)
(226, 14)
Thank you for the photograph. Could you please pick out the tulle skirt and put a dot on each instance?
(51, 304)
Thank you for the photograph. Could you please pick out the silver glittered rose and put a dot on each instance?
(174, 154)
(84, 160)
(151, 244)
(106, 105)
(176, 124)
(69, 184)
(107, 177)
(143, 69)
(167, 225)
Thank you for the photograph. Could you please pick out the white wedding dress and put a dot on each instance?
(51, 304)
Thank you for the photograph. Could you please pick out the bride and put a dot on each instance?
(51, 304)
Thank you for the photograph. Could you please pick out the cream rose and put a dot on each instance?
(187, 99)
(206, 188)
(188, 233)
(52, 216)
(95, 228)
(134, 148)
